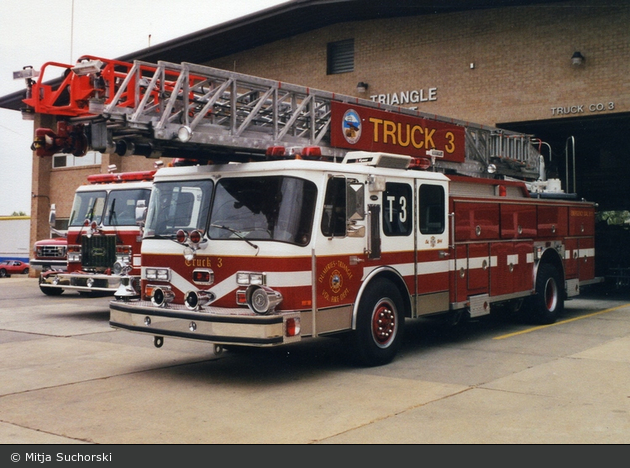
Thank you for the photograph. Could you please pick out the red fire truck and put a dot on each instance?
(303, 213)
(103, 237)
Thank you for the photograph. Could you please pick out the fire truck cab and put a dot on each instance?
(266, 253)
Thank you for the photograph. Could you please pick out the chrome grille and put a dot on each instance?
(51, 251)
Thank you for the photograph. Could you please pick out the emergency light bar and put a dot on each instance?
(122, 177)
(308, 152)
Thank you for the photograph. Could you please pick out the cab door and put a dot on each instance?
(433, 255)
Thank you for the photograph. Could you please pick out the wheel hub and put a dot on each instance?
(383, 324)
(551, 295)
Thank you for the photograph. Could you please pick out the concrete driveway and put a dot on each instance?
(66, 377)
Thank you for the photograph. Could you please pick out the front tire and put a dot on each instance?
(380, 324)
(51, 291)
(48, 290)
(548, 303)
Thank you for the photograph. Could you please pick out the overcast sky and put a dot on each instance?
(33, 32)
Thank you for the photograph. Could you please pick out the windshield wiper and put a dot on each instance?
(90, 213)
(160, 236)
(113, 218)
(236, 233)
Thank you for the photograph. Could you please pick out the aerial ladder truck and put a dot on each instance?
(292, 213)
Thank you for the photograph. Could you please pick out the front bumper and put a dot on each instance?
(216, 325)
(60, 265)
(88, 282)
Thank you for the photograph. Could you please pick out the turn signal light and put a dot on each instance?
(203, 277)
(292, 327)
(241, 298)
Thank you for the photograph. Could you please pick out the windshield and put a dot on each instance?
(178, 205)
(121, 206)
(87, 205)
(259, 208)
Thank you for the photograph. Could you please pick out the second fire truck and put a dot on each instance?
(303, 213)
(104, 235)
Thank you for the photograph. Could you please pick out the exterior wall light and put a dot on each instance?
(362, 87)
(577, 59)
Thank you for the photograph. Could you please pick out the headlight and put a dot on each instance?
(245, 278)
(157, 274)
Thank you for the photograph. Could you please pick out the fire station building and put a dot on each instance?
(558, 70)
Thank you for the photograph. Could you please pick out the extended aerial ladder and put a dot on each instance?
(202, 113)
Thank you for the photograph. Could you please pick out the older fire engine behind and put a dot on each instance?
(102, 243)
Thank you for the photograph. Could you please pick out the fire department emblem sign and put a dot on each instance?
(336, 282)
(351, 126)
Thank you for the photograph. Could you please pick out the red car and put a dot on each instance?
(13, 267)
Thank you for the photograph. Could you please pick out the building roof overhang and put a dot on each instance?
(286, 20)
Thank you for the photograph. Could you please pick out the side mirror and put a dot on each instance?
(52, 216)
(355, 208)
(355, 200)
(141, 212)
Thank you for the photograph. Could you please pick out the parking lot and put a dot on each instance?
(66, 377)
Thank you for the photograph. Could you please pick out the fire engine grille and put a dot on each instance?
(98, 251)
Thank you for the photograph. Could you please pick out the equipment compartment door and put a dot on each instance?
(478, 268)
(586, 259)
(502, 271)
(571, 258)
(512, 267)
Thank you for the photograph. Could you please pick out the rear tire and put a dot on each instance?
(548, 303)
(3, 273)
(380, 324)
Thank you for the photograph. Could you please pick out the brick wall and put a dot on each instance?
(521, 56)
